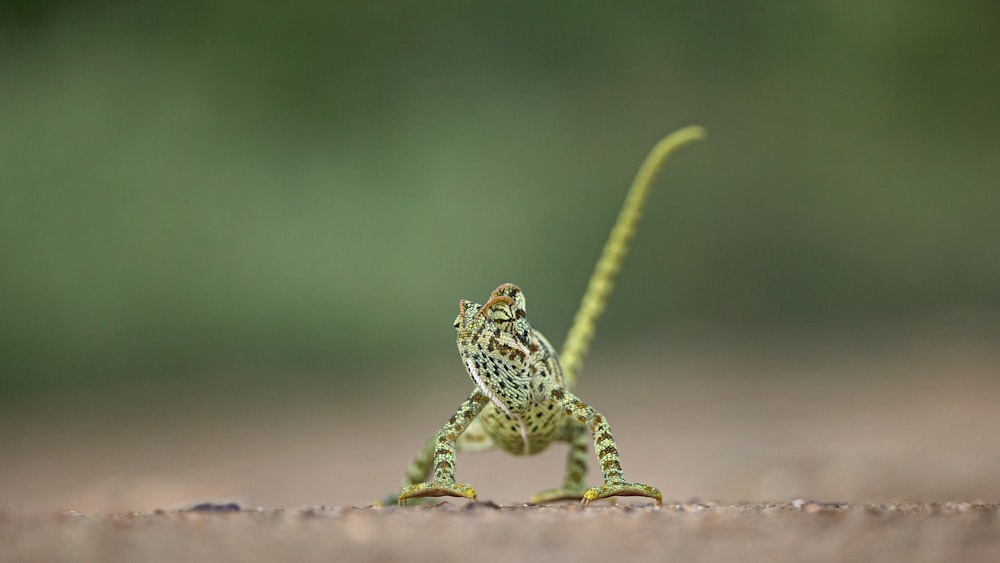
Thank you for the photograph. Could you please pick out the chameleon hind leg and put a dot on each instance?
(573, 486)
(607, 452)
(444, 456)
(418, 470)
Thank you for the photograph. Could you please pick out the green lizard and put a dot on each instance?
(523, 400)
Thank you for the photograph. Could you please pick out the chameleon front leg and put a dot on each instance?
(607, 452)
(444, 456)
(474, 439)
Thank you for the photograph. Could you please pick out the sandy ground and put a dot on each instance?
(798, 531)
(889, 452)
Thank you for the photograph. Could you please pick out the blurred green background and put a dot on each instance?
(238, 196)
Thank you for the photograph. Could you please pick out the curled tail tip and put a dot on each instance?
(687, 134)
(698, 130)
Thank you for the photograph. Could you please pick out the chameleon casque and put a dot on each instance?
(523, 399)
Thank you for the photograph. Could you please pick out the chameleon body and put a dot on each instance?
(523, 399)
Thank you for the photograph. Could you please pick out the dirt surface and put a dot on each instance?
(797, 531)
(893, 451)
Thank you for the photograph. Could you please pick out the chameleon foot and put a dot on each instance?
(553, 495)
(623, 489)
(437, 489)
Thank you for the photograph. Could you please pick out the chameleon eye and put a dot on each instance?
(523, 336)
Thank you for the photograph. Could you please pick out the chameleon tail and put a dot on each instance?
(602, 281)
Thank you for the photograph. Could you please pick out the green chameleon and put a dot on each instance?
(522, 401)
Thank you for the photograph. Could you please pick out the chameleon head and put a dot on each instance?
(495, 342)
(499, 324)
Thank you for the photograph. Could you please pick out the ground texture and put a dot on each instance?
(796, 531)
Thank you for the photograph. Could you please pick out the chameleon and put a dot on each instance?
(522, 400)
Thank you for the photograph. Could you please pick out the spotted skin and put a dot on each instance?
(523, 399)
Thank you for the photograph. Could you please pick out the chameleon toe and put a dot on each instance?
(553, 495)
(437, 489)
(623, 490)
